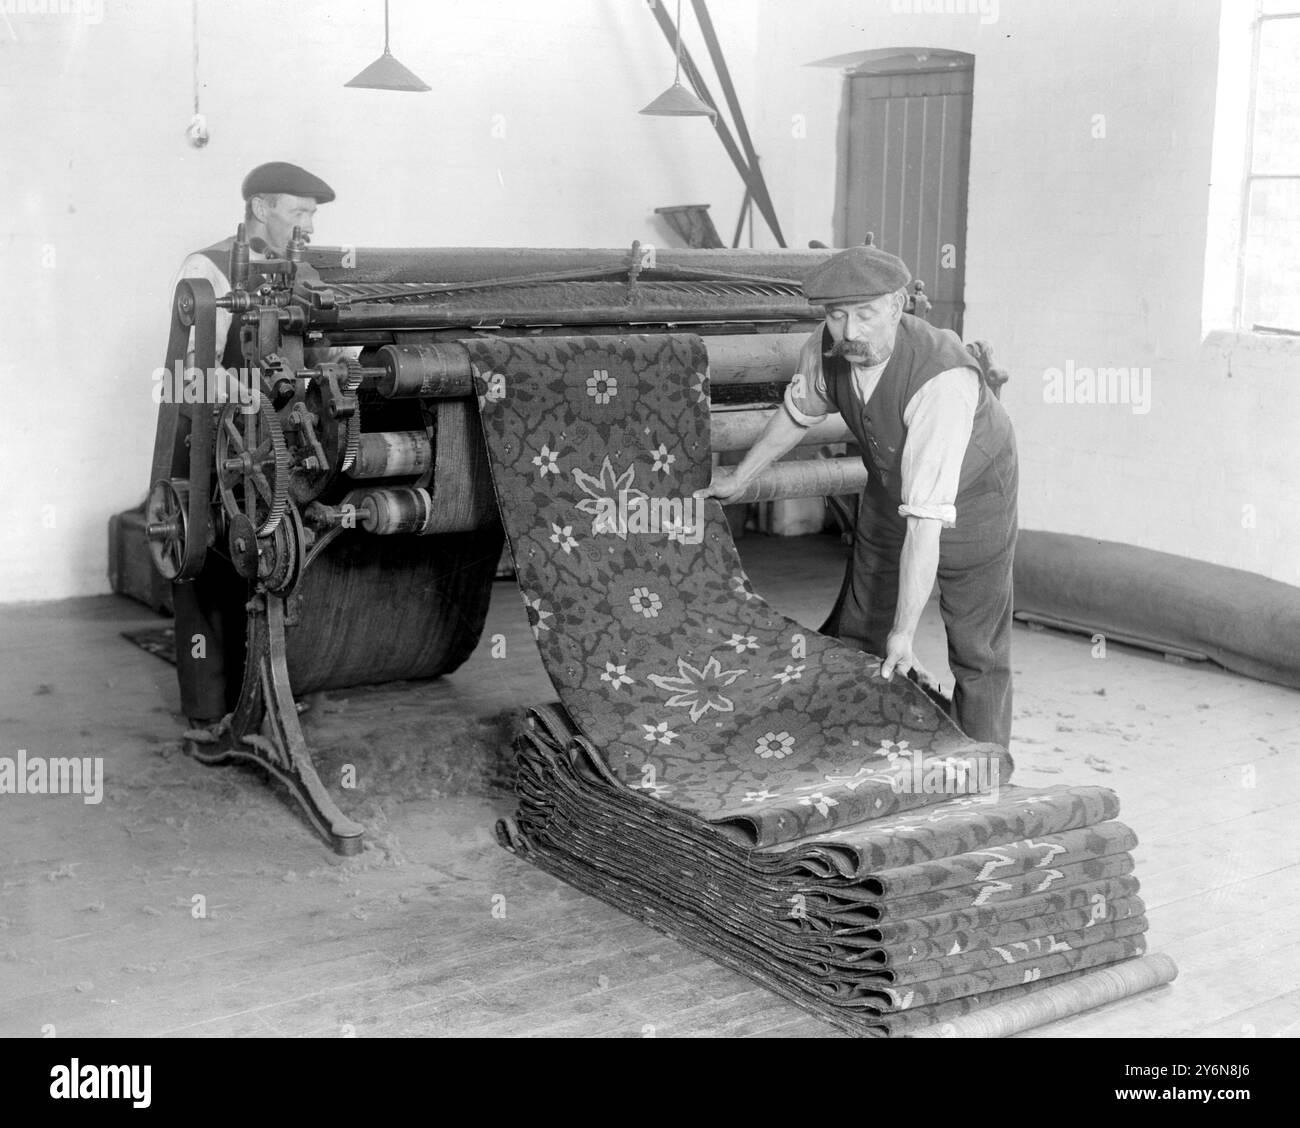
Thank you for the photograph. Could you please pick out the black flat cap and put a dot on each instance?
(280, 176)
(858, 274)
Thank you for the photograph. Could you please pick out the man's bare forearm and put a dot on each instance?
(917, 568)
(780, 436)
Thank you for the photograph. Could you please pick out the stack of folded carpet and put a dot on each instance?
(884, 927)
(751, 787)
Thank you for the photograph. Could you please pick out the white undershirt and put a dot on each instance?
(939, 419)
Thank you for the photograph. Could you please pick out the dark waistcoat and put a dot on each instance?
(920, 353)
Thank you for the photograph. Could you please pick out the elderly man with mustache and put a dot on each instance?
(943, 478)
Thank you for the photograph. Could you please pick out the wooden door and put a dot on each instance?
(903, 176)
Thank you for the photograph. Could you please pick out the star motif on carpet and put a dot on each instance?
(537, 616)
(697, 689)
(607, 496)
(546, 462)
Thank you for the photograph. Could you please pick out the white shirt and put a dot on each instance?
(200, 266)
(939, 420)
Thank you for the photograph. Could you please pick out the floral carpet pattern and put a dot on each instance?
(693, 688)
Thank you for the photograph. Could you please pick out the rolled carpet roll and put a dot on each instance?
(1244, 622)
(1060, 1000)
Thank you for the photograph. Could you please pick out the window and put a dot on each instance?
(1268, 275)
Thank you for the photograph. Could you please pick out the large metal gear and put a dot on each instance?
(252, 465)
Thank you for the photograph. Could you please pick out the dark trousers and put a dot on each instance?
(211, 631)
(975, 598)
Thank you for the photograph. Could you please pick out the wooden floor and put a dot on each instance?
(100, 932)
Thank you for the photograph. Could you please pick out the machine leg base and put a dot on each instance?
(264, 730)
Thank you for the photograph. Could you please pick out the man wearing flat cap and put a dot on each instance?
(943, 477)
(277, 198)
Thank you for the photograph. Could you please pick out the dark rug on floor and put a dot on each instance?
(158, 641)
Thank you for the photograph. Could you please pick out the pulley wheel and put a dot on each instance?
(167, 525)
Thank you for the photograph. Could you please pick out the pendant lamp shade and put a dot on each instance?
(386, 73)
(677, 100)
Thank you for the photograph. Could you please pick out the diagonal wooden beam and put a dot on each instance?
(737, 115)
(696, 80)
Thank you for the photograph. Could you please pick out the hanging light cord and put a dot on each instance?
(677, 78)
(194, 29)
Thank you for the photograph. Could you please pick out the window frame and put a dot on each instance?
(1250, 177)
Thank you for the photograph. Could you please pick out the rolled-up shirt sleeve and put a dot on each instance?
(805, 395)
(939, 420)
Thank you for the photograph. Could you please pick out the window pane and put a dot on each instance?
(1271, 295)
(1270, 7)
(1277, 98)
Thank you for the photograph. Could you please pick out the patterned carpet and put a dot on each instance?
(736, 779)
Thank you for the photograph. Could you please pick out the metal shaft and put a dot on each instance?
(472, 264)
(441, 370)
(739, 429)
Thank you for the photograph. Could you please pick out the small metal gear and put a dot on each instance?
(353, 441)
(281, 554)
(326, 440)
(252, 462)
(352, 445)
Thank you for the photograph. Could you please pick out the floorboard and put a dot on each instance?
(99, 933)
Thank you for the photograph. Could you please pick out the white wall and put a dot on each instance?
(95, 171)
(1081, 249)
(1087, 250)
